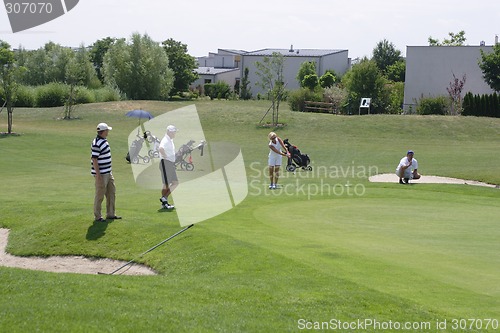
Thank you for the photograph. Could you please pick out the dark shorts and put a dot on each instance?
(167, 170)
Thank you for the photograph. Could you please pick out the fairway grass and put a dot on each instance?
(328, 245)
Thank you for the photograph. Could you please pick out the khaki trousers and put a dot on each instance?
(105, 188)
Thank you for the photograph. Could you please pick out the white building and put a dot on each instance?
(229, 65)
(336, 60)
(430, 70)
(214, 75)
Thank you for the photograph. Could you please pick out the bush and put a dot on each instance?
(433, 105)
(337, 96)
(25, 97)
(297, 98)
(219, 90)
(83, 95)
(107, 94)
(396, 97)
(52, 94)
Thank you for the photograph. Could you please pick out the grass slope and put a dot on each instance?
(315, 250)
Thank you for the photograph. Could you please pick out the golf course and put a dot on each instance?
(326, 251)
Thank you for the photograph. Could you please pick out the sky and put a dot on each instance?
(206, 26)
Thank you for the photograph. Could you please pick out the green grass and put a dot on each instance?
(316, 250)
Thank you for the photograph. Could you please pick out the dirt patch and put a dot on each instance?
(67, 264)
(392, 178)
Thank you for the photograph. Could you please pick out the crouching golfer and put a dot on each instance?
(407, 168)
(275, 156)
(167, 166)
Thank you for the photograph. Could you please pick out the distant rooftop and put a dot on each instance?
(213, 70)
(234, 51)
(295, 52)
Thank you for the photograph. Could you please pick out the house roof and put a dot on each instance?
(213, 70)
(294, 52)
(234, 51)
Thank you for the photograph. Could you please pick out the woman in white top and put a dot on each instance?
(275, 155)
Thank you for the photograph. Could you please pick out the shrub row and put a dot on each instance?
(56, 94)
(481, 105)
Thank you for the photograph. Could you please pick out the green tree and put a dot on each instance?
(139, 68)
(327, 80)
(310, 81)
(79, 72)
(397, 71)
(490, 66)
(457, 39)
(306, 68)
(365, 80)
(9, 73)
(245, 93)
(97, 53)
(385, 54)
(270, 71)
(182, 64)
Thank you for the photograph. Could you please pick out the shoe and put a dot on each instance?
(271, 186)
(275, 186)
(401, 181)
(100, 220)
(407, 180)
(115, 217)
(166, 205)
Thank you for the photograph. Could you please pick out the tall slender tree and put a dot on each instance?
(9, 73)
(270, 71)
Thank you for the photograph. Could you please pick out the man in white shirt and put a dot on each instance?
(407, 168)
(167, 166)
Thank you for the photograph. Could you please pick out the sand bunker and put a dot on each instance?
(67, 264)
(392, 178)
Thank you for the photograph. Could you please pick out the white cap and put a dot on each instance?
(171, 128)
(103, 127)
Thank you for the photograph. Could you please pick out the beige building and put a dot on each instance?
(430, 70)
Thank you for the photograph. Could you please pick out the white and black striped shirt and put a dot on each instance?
(101, 151)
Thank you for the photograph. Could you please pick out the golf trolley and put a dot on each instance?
(153, 152)
(296, 159)
(184, 158)
(133, 155)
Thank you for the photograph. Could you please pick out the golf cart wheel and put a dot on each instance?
(189, 166)
(135, 160)
(309, 168)
(290, 168)
(146, 159)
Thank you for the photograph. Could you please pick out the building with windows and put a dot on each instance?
(229, 65)
(336, 60)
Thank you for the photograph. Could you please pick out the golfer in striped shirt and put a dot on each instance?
(101, 169)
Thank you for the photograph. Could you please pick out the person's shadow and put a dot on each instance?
(97, 230)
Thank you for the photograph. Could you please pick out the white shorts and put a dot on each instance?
(274, 160)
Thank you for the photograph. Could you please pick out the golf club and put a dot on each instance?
(151, 249)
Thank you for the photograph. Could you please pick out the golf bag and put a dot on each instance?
(134, 150)
(295, 158)
(184, 157)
